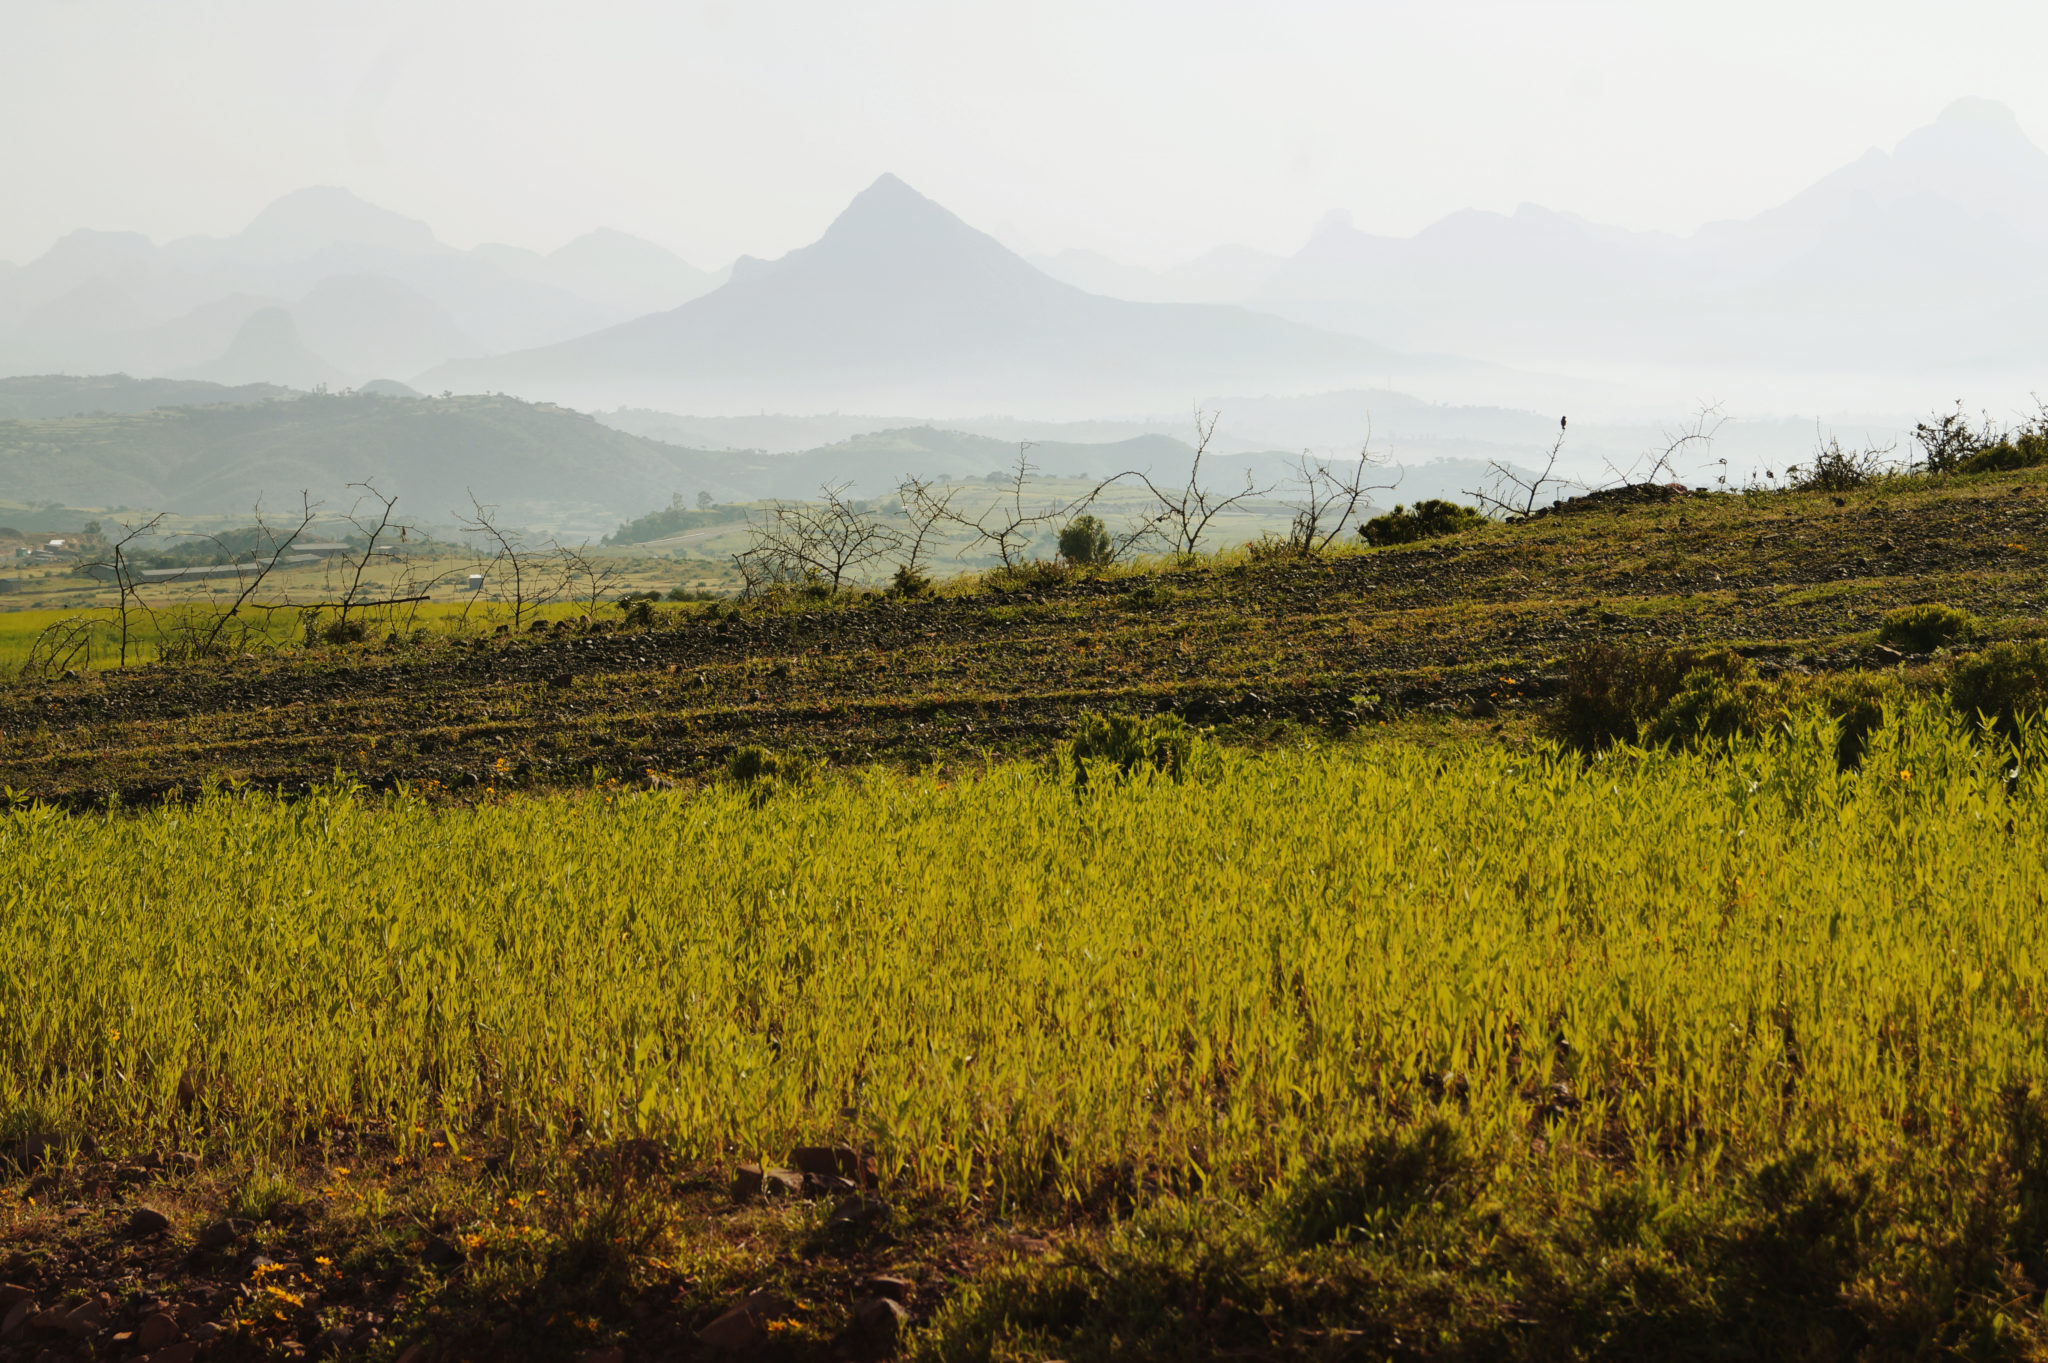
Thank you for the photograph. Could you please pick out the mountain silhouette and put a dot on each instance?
(267, 349)
(902, 306)
(374, 291)
(1928, 260)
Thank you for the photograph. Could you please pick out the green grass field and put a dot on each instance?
(1448, 1050)
(1394, 1029)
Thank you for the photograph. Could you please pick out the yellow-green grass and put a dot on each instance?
(1009, 988)
(259, 627)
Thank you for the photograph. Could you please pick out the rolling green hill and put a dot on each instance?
(43, 396)
(541, 464)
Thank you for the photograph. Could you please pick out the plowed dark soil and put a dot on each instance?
(1471, 623)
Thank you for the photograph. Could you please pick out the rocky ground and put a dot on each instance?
(1471, 625)
(165, 1259)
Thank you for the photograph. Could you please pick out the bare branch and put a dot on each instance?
(1185, 513)
(308, 508)
(1513, 494)
(1661, 465)
(827, 542)
(116, 560)
(1329, 498)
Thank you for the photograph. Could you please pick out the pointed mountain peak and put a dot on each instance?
(306, 221)
(890, 227)
(1986, 114)
(1336, 222)
(890, 205)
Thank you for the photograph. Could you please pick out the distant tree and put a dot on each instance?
(1085, 540)
(704, 502)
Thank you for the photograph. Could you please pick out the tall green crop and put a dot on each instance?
(1004, 982)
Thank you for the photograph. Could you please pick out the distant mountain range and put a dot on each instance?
(201, 448)
(1906, 278)
(1930, 260)
(365, 294)
(902, 306)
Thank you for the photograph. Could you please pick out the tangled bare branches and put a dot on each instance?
(1331, 494)
(827, 542)
(1186, 513)
(1513, 493)
(1661, 466)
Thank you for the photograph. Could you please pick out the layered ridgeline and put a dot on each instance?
(203, 449)
(901, 306)
(319, 287)
(542, 465)
(1930, 258)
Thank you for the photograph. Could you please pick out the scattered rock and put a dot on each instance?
(334, 1342)
(17, 1316)
(879, 1323)
(859, 1210)
(746, 1325)
(840, 1160)
(10, 1293)
(156, 1330)
(751, 1180)
(612, 1355)
(185, 1351)
(147, 1221)
(885, 1285)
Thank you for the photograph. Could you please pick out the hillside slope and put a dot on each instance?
(43, 396)
(1480, 624)
(541, 464)
(901, 306)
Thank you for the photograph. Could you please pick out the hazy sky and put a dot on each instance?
(1149, 130)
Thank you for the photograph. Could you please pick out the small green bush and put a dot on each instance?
(1365, 1189)
(1857, 702)
(2003, 683)
(1835, 469)
(1713, 706)
(1613, 690)
(1029, 575)
(1430, 519)
(1924, 628)
(1166, 743)
(755, 765)
(910, 581)
(2027, 450)
(1085, 541)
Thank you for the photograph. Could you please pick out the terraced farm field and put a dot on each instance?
(1480, 622)
(816, 979)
